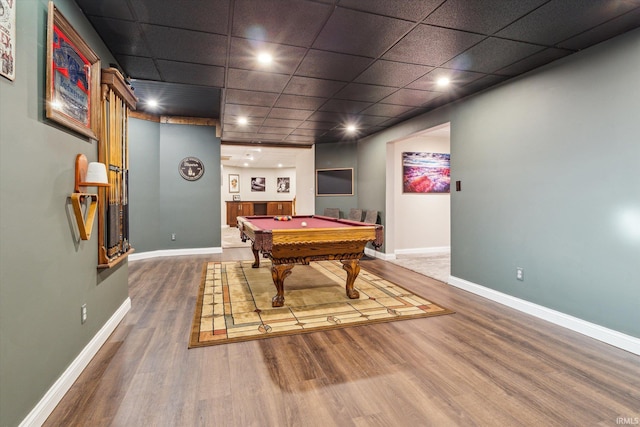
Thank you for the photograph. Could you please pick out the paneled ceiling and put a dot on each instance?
(371, 63)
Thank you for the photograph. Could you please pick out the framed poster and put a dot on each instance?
(283, 184)
(234, 183)
(334, 182)
(73, 77)
(426, 172)
(8, 38)
(258, 184)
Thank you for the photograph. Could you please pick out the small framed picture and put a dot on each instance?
(258, 184)
(283, 184)
(234, 183)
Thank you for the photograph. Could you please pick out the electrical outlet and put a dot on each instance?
(520, 273)
(173, 236)
(83, 313)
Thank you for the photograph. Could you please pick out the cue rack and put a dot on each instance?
(117, 100)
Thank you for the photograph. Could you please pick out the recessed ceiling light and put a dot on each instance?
(242, 120)
(351, 128)
(442, 81)
(152, 103)
(265, 58)
(279, 165)
(246, 164)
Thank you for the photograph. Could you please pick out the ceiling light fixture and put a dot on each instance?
(152, 103)
(242, 120)
(351, 128)
(265, 58)
(443, 81)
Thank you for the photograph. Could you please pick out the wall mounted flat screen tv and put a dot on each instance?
(334, 182)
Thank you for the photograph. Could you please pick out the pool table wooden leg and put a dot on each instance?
(352, 267)
(256, 256)
(279, 272)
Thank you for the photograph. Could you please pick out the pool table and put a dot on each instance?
(287, 241)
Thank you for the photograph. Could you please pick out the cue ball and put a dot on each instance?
(304, 224)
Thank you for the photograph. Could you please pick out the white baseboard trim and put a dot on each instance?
(380, 255)
(600, 333)
(54, 395)
(426, 251)
(174, 252)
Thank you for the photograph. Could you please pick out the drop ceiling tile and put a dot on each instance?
(256, 80)
(244, 55)
(375, 33)
(492, 54)
(195, 74)
(246, 110)
(364, 92)
(279, 132)
(139, 66)
(333, 66)
(117, 9)
(197, 16)
(484, 17)
(443, 45)
(411, 10)
(122, 37)
(456, 78)
(247, 97)
(180, 99)
(312, 87)
(308, 132)
(344, 106)
(390, 73)
(311, 124)
(605, 31)
(289, 113)
(239, 135)
(282, 123)
(386, 110)
(263, 20)
(410, 97)
(534, 61)
(301, 102)
(184, 45)
(233, 127)
(548, 25)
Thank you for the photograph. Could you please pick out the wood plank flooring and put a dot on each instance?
(486, 365)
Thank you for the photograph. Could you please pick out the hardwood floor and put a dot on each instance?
(485, 365)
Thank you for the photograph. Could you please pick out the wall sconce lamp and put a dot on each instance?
(92, 174)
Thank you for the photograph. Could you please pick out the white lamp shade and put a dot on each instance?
(96, 174)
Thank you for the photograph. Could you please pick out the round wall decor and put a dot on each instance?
(191, 168)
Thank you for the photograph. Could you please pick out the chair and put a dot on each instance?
(332, 212)
(371, 217)
(355, 215)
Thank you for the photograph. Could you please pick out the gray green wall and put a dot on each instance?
(337, 156)
(162, 202)
(549, 169)
(46, 274)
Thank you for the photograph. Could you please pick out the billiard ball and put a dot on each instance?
(304, 224)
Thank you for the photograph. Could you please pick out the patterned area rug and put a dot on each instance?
(234, 302)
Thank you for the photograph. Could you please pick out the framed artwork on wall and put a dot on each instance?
(426, 172)
(283, 184)
(8, 39)
(258, 184)
(73, 77)
(234, 183)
